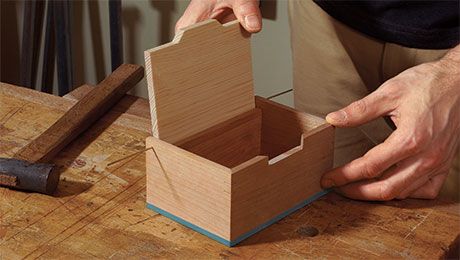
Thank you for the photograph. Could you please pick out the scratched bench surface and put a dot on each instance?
(99, 211)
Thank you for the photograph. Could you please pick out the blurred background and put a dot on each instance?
(145, 24)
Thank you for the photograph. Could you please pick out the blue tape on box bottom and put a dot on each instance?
(246, 235)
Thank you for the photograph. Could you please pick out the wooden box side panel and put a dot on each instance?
(282, 126)
(261, 192)
(229, 143)
(202, 78)
(189, 187)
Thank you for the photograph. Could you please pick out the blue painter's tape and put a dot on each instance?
(246, 235)
(190, 225)
(279, 217)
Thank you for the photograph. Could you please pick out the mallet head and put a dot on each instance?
(23, 175)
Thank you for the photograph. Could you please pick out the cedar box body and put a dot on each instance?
(225, 163)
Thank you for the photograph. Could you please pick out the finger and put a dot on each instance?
(362, 111)
(372, 164)
(423, 180)
(196, 11)
(248, 14)
(430, 189)
(436, 162)
(223, 15)
(386, 188)
(414, 186)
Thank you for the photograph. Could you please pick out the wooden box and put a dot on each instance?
(223, 162)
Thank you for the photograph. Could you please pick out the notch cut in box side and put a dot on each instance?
(262, 192)
(202, 78)
(282, 127)
(189, 187)
(272, 130)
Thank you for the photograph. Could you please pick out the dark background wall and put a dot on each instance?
(146, 24)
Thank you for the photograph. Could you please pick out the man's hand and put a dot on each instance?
(424, 104)
(246, 11)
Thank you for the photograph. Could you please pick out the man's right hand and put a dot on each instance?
(246, 11)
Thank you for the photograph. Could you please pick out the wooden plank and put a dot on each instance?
(189, 187)
(82, 115)
(128, 104)
(229, 143)
(202, 78)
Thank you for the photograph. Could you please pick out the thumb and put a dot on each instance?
(360, 112)
(248, 14)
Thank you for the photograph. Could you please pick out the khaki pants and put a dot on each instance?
(335, 65)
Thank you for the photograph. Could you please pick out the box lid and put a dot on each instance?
(202, 78)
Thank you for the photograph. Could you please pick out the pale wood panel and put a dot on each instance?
(231, 142)
(260, 191)
(202, 78)
(189, 186)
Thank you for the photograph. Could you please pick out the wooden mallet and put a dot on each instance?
(29, 169)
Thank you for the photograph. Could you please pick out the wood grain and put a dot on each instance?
(229, 143)
(202, 78)
(133, 108)
(262, 191)
(201, 94)
(189, 186)
(82, 114)
(100, 212)
(277, 137)
(129, 104)
(261, 187)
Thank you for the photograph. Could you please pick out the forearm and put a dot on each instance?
(453, 54)
(452, 60)
(446, 71)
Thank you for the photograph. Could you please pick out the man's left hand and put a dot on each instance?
(424, 104)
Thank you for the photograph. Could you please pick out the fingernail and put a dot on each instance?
(336, 117)
(252, 21)
(327, 183)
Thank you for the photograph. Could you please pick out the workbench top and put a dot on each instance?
(99, 211)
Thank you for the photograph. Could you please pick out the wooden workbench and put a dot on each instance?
(99, 211)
